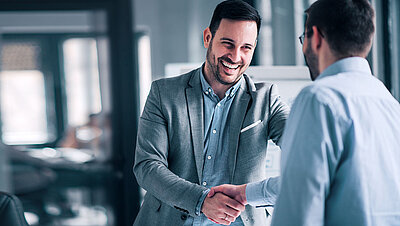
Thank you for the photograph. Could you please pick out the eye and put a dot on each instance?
(228, 45)
(247, 48)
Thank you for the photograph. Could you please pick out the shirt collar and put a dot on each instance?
(350, 64)
(209, 91)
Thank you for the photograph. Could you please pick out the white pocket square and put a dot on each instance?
(250, 126)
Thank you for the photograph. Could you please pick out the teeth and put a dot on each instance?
(230, 66)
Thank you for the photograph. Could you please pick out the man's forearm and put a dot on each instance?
(263, 193)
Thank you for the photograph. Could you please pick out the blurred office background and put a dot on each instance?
(74, 75)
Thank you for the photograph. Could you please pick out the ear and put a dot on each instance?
(207, 36)
(316, 39)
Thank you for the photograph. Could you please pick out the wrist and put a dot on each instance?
(199, 206)
(243, 193)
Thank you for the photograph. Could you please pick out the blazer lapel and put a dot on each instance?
(195, 109)
(236, 117)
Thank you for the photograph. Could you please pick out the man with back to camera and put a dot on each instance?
(341, 146)
(209, 127)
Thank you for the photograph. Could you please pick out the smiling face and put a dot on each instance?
(230, 51)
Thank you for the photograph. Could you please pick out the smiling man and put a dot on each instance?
(209, 127)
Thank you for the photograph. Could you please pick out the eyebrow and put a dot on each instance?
(231, 40)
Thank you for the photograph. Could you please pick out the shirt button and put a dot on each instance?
(206, 92)
(184, 217)
(204, 183)
(209, 157)
(214, 131)
(219, 105)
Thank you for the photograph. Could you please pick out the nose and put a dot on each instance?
(236, 55)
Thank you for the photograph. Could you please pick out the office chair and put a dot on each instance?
(11, 211)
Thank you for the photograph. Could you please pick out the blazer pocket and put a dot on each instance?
(251, 126)
(247, 133)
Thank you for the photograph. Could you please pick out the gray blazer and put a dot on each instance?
(169, 152)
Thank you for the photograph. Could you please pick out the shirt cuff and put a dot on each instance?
(263, 193)
(200, 202)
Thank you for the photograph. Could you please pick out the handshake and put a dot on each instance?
(224, 203)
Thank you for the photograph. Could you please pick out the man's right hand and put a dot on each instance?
(221, 209)
(237, 192)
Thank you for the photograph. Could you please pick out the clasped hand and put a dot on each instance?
(224, 203)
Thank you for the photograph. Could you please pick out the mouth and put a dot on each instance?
(230, 66)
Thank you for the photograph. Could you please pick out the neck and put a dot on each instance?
(218, 88)
(326, 58)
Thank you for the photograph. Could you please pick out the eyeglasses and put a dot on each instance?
(302, 36)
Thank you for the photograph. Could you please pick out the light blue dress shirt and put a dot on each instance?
(216, 152)
(340, 152)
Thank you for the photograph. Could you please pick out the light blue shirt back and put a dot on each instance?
(341, 152)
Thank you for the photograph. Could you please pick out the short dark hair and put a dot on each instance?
(234, 10)
(347, 25)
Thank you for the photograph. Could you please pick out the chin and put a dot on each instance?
(229, 79)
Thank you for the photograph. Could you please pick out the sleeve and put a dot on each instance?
(201, 201)
(309, 156)
(151, 160)
(263, 193)
(278, 114)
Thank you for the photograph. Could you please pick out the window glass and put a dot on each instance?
(22, 91)
(81, 79)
